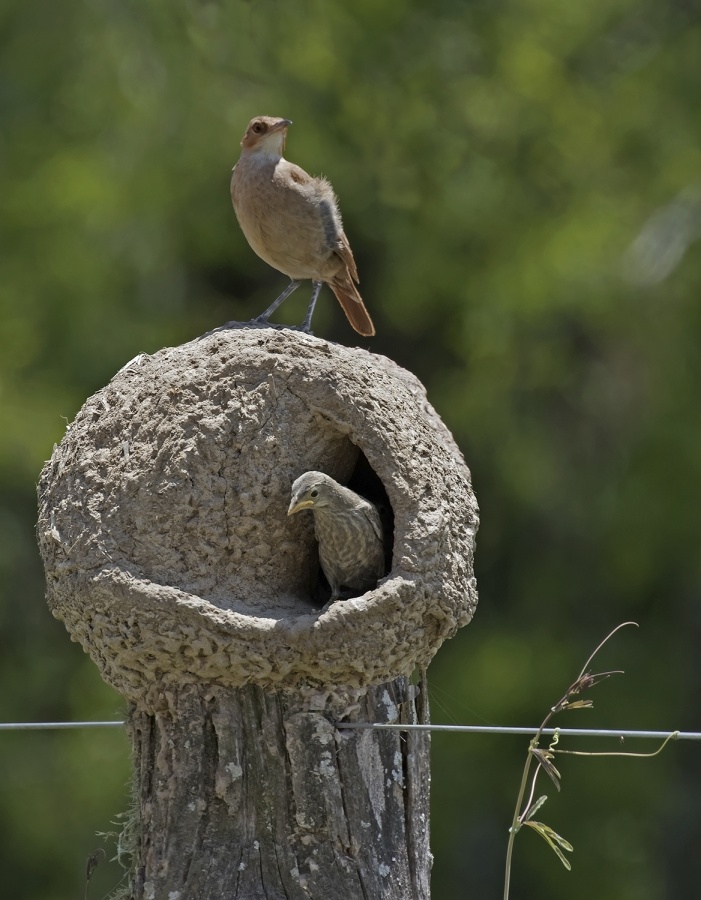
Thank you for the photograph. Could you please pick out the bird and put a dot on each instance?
(348, 530)
(292, 221)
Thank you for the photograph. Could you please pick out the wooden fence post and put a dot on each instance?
(170, 557)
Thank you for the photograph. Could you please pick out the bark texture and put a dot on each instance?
(277, 803)
(170, 557)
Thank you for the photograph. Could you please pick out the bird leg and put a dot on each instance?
(262, 319)
(307, 324)
(339, 595)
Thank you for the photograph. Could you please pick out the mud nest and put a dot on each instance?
(163, 526)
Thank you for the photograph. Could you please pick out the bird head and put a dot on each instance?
(311, 491)
(266, 134)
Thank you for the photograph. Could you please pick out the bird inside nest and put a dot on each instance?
(348, 530)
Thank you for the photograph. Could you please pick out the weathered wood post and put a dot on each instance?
(170, 557)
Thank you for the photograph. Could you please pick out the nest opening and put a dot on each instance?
(366, 482)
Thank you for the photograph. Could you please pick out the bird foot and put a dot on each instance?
(263, 322)
(327, 606)
(342, 595)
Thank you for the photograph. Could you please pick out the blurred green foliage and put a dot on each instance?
(521, 184)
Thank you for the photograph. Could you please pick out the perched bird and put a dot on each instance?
(348, 530)
(292, 221)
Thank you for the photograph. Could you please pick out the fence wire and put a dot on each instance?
(391, 726)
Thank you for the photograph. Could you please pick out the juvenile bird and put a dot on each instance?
(348, 530)
(292, 221)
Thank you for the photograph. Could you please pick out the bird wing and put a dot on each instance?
(344, 251)
(330, 217)
(297, 174)
(373, 518)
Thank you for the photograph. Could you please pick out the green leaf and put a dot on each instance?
(536, 806)
(554, 840)
(544, 758)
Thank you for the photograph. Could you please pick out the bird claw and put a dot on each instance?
(264, 323)
(327, 606)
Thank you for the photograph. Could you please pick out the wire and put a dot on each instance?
(386, 726)
(38, 726)
(505, 729)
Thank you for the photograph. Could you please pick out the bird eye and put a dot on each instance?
(314, 493)
(258, 127)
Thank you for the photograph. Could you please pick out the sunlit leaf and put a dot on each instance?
(554, 841)
(535, 807)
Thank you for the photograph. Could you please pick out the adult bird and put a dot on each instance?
(348, 530)
(292, 221)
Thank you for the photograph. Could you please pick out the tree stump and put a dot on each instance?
(170, 557)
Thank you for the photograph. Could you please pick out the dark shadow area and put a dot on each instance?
(365, 481)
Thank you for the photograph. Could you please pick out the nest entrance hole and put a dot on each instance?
(366, 482)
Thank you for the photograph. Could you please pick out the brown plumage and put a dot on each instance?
(292, 221)
(348, 529)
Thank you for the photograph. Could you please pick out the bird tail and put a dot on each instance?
(352, 303)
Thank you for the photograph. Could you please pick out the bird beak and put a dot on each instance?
(296, 505)
(278, 126)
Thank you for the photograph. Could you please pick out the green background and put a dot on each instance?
(521, 186)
